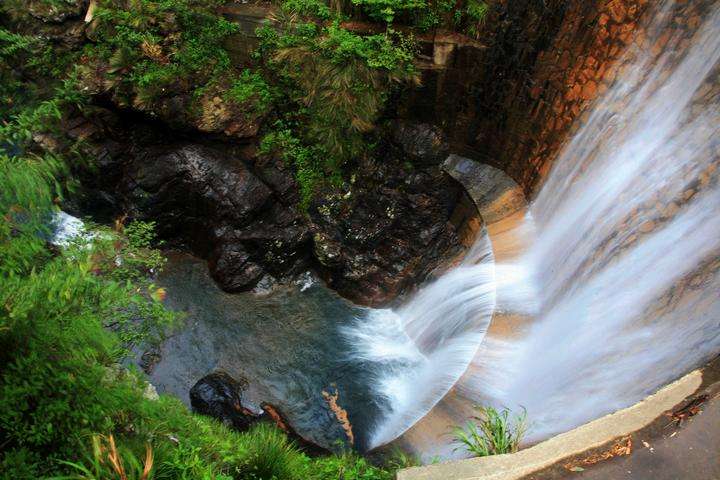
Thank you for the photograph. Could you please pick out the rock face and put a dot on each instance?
(380, 241)
(214, 199)
(218, 395)
(512, 100)
(240, 211)
(422, 143)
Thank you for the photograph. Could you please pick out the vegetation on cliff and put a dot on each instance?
(312, 81)
(69, 316)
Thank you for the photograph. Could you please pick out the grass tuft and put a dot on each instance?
(492, 432)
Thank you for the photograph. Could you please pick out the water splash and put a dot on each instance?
(421, 350)
(66, 229)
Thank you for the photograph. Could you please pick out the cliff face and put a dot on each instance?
(511, 101)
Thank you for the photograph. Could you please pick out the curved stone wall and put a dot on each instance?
(511, 102)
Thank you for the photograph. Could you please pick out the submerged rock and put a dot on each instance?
(149, 359)
(327, 427)
(218, 395)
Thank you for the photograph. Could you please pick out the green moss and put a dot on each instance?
(251, 88)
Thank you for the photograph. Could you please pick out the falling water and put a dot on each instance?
(621, 278)
(419, 358)
(628, 237)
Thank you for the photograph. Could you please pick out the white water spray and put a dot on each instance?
(422, 349)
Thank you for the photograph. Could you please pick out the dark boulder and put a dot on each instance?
(227, 213)
(218, 395)
(233, 269)
(209, 183)
(379, 241)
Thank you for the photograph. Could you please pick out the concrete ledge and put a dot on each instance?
(495, 194)
(574, 442)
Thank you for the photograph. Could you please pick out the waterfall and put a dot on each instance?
(626, 254)
(621, 277)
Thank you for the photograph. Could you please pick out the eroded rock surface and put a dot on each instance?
(379, 241)
(240, 211)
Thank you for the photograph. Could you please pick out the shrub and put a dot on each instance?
(340, 81)
(492, 432)
(269, 454)
(150, 49)
(476, 12)
(386, 10)
(308, 8)
(251, 87)
(311, 169)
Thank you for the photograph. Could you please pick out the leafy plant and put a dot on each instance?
(154, 48)
(492, 432)
(340, 82)
(308, 8)
(251, 88)
(476, 11)
(386, 10)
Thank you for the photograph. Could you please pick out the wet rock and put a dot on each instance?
(331, 398)
(232, 268)
(239, 210)
(420, 142)
(218, 184)
(331, 430)
(378, 241)
(224, 210)
(218, 395)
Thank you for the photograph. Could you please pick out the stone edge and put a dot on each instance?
(586, 437)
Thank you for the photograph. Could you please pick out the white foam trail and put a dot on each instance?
(608, 252)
